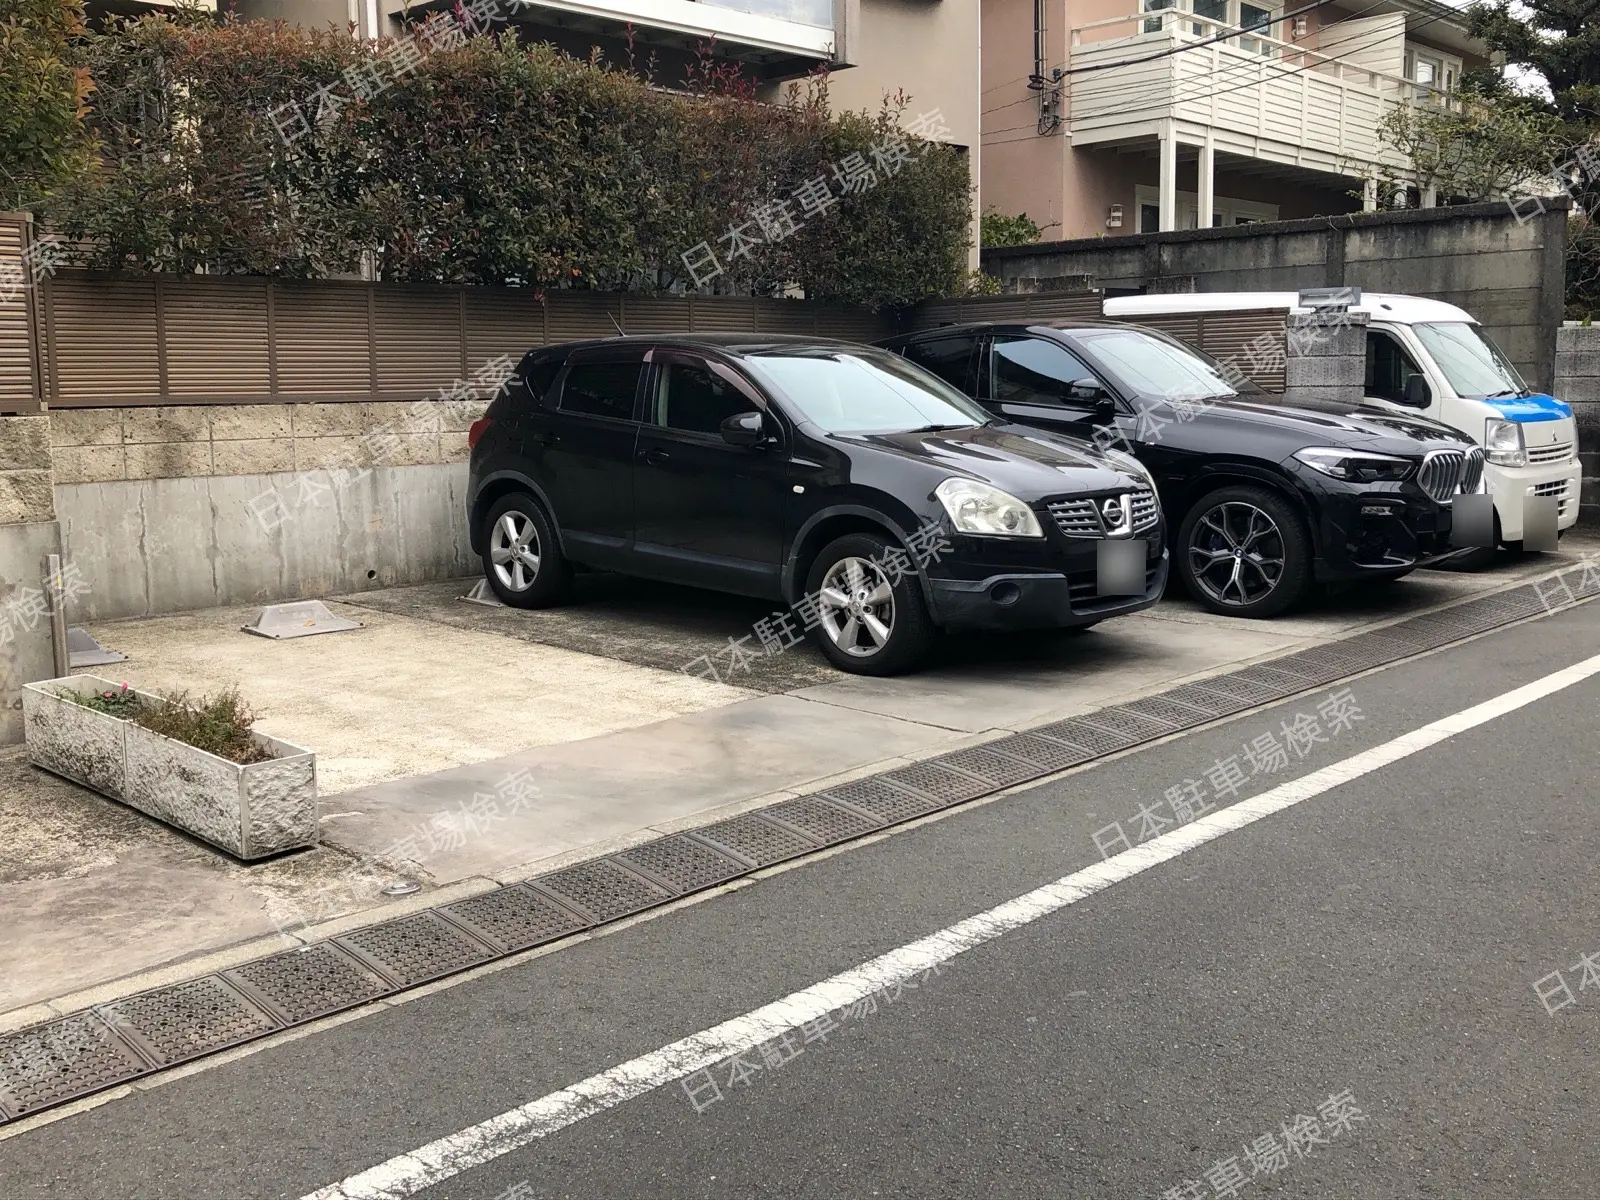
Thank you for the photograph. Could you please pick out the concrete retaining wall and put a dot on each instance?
(1578, 383)
(167, 509)
(1506, 271)
(28, 532)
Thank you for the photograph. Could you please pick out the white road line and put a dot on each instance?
(408, 1174)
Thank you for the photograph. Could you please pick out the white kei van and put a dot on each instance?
(1422, 356)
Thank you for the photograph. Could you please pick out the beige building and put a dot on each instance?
(1137, 116)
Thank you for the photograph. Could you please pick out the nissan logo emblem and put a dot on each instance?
(1112, 508)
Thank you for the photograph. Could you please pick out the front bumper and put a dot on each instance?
(1513, 487)
(1039, 600)
(1374, 531)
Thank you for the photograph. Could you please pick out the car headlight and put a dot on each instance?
(1502, 443)
(979, 508)
(1357, 466)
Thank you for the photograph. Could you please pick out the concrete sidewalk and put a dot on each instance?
(473, 746)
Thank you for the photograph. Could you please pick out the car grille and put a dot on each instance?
(1080, 516)
(1446, 473)
(1557, 488)
(1539, 456)
(1081, 587)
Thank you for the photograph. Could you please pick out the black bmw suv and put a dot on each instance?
(869, 496)
(1266, 493)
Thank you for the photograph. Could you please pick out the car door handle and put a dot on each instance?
(544, 439)
(654, 457)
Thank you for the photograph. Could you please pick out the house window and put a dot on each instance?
(1226, 210)
(1153, 24)
(1220, 16)
(1149, 218)
(1252, 16)
(1435, 74)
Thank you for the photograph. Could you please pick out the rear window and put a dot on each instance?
(601, 389)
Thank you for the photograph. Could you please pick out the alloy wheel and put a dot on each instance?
(514, 551)
(1236, 553)
(856, 604)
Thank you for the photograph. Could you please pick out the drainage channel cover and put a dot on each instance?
(173, 1024)
(1128, 724)
(890, 804)
(991, 764)
(827, 823)
(935, 779)
(603, 890)
(415, 949)
(1043, 753)
(682, 864)
(49, 1064)
(301, 985)
(514, 918)
(1169, 712)
(1091, 739)
(756, 840)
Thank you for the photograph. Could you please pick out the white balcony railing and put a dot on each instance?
(1257, 95)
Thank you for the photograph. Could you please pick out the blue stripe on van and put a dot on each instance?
(1537, 407)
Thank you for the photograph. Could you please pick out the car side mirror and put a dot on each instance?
(1085, 389)
(1418, 393)
(744, 429)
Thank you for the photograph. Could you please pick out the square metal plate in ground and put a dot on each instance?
(1168, 711)
(1126, 723)
(303, 618)
(46, 1065)
(1051, 756)
(514, 918)
(301, 985)
(172, 1024)
(931, 779)
(828, 823)
(989, 762)
(603, 889)
(1218, 704)
(755, 840)
(682, 864)
(888, 803)
(412, 950)
(85, 650)
(1090, 738)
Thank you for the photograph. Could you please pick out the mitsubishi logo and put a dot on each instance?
(1116, 514)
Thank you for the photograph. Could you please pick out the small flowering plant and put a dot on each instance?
(118, 702)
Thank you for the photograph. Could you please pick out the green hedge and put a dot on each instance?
(484, 161)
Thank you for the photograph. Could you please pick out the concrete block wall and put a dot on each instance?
(28, 532)
(1326, 356)
(175, 508)
(1578, 383)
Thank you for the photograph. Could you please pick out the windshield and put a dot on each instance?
(864, 391)
(1471, 363)
(1153, 368)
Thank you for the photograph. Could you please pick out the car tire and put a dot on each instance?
(522, 557)
(867, 623)
(1244, 552)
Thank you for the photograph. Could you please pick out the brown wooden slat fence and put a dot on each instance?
(19, 344)
(114, 341)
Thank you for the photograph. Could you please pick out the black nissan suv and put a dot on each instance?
(866, 494)
(1265, 493)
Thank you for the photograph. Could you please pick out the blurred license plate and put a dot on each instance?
(1119, 568)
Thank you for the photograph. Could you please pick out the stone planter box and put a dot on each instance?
(250, 810)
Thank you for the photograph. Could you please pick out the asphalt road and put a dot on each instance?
(1360, 968)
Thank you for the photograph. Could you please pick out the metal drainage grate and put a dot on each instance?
(759, 842)
(514, 918)
(1127, 723)
(990, 763)
(890, 804)
(827, 823)
(60, 1060)
(942, 783)
(301, 985)
(682, 864)
(1090, 738)
(49, 1064)
(604, 890)
(172, 1024)
(415, 949)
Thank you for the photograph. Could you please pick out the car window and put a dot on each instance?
(1388, 367)
(1149, 366)
(689, 397)
(1472, 363)
(1029, 370)
(538, 372)
(949, 358)
(861, 390)
(601, 389)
